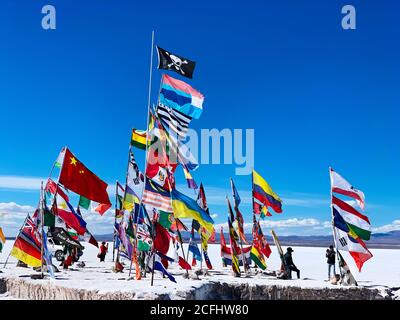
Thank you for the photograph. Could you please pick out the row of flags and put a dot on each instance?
(239, 252)
(149, 209)
(179, 103)
(56, 213)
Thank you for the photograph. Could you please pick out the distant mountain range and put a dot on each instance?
(389, 240)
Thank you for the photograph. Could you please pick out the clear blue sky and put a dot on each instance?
(316, 95)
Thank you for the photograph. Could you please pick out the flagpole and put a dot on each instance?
(115, 217)
(19, 232)
(41, 212)
(153, 251)
(126, 184)
(58, 180)
(240, 238)
(183, 252)
(147, 130)
(333, 228)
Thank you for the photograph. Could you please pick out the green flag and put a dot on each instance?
(49, 218)
(165, 219)
(84, 202)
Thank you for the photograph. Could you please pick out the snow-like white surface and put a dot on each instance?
(382, 271)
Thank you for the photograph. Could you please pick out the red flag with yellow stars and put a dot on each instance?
(79, 179)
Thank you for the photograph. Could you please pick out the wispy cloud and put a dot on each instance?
(20, 182)
(394, 226)
(12, 210)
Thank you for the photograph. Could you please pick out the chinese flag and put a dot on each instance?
(79, 179)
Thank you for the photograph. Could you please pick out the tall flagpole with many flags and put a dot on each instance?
(350, 226)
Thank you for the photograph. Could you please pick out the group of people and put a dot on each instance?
(288, 265)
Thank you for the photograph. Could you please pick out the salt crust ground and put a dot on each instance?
(381, 272)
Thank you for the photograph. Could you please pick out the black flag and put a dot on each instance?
(62, 236)
(173, 62)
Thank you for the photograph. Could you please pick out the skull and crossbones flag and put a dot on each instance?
(173, 62)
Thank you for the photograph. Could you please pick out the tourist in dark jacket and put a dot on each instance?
(290, 266)
(330, 259)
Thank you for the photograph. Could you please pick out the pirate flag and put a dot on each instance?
(173, 62)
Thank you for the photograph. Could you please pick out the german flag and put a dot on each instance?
(27, 246)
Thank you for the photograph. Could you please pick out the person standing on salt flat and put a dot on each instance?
(330, 256)
(103, 251)
(290, 264)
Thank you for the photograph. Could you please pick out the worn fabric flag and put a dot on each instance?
(172, 62)
(84, 202)
(135, 178)
(356, 247)
(194, 249)
(346, 274)
(201, 198)
(156, 197)
(174, 122)
(76, 177)
(60, 159)
(64, 237)
(264, 193)
(166, 219)
(162, 175)
(263, 245)
(88, 237)
(181, 96)
(185, 207)
(234, 248)
(257, 257)
(240, 224)
(178, 152)
(259, 240)
(207, 260)
(162, 239)
(231, 217)
(235, 194)
(226, 255)
(27, 246)
(145, 242)
(130, 200)
(342, 186)
(184, 264)
(2, 239)
(159, 267)
(138, 139)
(358, 225)
(189, 179)
(140, 216)
(63, 209)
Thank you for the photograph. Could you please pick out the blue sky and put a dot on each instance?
(315, 94)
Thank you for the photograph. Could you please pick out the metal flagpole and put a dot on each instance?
(333, 228)
(147, 129)
(19, 232)
(41, 212)
(115, 217)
